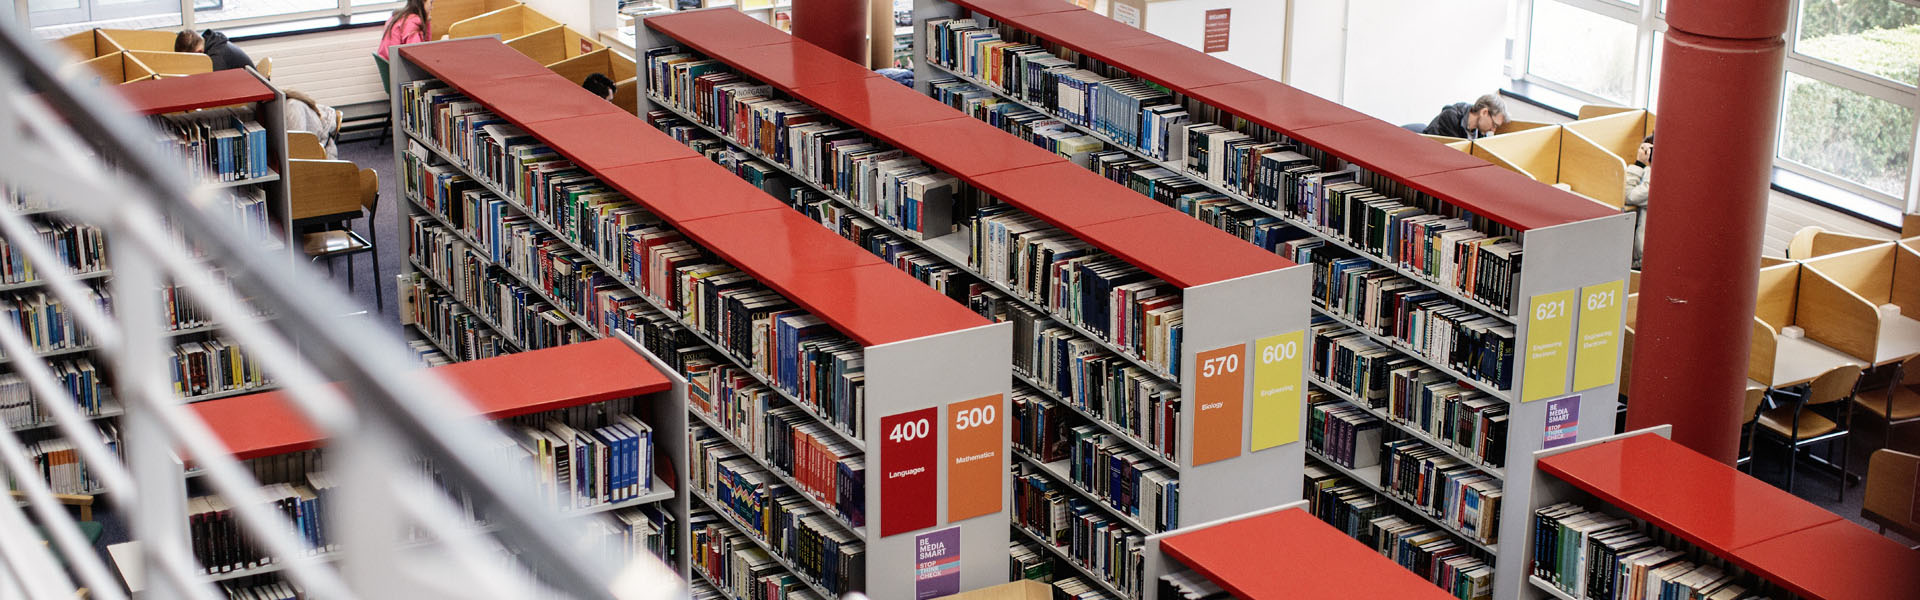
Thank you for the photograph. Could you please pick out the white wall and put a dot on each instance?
(1255, 36)
(1407, 58)
(1317, 48)
(585, 16)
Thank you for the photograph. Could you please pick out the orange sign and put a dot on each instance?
(975, 434)
(1217, 419)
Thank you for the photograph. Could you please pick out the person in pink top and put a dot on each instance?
(407, 26)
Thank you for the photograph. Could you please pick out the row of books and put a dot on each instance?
(21, 408)
(581, 457)
(1029, 561)
(447, 321)
(1187, 585)
(223, 545)
(56, 461)
(1034, 126)
(179, 311)
(212, 366)
(520, 313)
(1400, 225)
(1040, 425)
(820, 464)
(1100, 544)
(1087, 376)
(633, 532)
(1423, 322)
(245, 209)
(427, 353)
(81, 248)
(1342, 433)
(795, 350)
(266, 590)
(1124, 478)
(1593, 555)
(739, 567)
(1412, 394)
(875, 178)
(47, 322)
(784, 523)
(1433, 553)
(218, 144)
(1078, 284)
(1446, 489)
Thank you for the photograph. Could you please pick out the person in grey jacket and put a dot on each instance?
(1639, 180)
(215, 45)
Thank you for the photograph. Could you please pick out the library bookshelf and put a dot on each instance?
(1774, 542)
(268, 432)
(87, 257)
(1279, 552)
(1560, 317)
(926, 361)
(1238, 459)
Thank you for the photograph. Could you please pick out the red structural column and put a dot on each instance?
(1719, 101)
(838, 26)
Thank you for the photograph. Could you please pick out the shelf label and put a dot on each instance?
(1549, 326)
(975, 434)
(936, 563)
(1596, 362)
(1220, 392)
(1563, 421)
(1277, 376)
(910, 470)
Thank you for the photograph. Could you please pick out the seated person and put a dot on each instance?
(214, 44)
(1639, 181)
(600, 85)
(1467, 120)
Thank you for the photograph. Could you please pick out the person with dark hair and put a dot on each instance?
(1639, 181)
(898, 75)
(406, 26)
(600, 85)
(215, 45)
(1477, 119)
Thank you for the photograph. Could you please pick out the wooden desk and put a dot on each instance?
(1800, 360)
(1899, 340)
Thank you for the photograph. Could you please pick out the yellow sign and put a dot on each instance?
(1597, 360)
(1277, 375)
(1549, 328)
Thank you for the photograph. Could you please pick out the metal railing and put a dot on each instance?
(351, 380)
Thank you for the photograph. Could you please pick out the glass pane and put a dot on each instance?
(50, 5)
(1653, 82)
(1591, 52)
(215, 11)
(1881, 37)
(1857, 137)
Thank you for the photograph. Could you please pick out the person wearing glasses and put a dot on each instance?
(1467, 120)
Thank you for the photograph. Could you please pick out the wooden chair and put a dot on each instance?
(1798, 426)
(264, 66)
(1801, 246)
(331, 194)
(1899, 402)
(1749, 414)
(1891, 477)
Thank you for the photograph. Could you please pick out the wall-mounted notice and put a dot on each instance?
(1597, 360)
(1219, 21)
(909, 471)
(1277, 375)
(975, 434)
(1126, 14)
(1220, 392)
(1563, 421)
(1549, 327)
(936, 563)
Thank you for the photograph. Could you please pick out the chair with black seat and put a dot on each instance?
(329, 195)
(1749, 415)
(1899, 402)
(1801, 425)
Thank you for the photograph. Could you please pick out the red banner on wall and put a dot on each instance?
(1219, 21)
(909, 471)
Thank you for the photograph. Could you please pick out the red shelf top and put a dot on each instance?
(267, 424)
(204, 90)
(1303, 116)
(1291, 554)
(1181, 251)
(730, 217)
(1762, 528)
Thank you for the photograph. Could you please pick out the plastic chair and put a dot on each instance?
(1798, 426)
(1899, 402)
(386, 89)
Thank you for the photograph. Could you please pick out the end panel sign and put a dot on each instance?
(909, 471)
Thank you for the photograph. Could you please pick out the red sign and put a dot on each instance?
(1219, 20)
(909, 471)
(1221, 390)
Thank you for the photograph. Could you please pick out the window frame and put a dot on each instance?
(1649, 19)
(342, 14)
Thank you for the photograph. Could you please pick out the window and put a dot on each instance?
(1850, 100)
(214, 12)
(1589, 52)
(57, 18)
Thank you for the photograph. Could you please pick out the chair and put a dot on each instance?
(1798, 426)
(1889, 496)
(386, 89)
(1801, 246)
(333, 193)
(1749, 414)
(1899, 402)
(264, 66)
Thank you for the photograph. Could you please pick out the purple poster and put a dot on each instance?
(936, 563)
(1563, 421)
